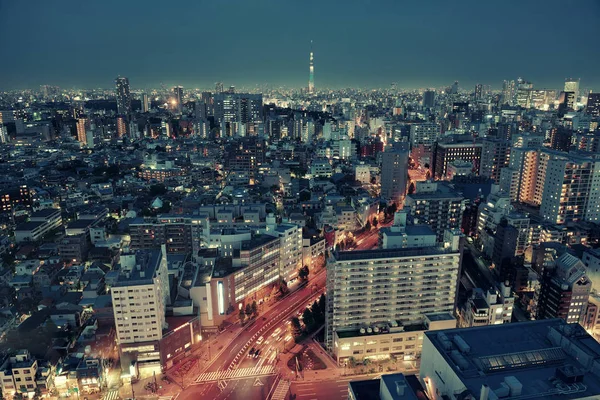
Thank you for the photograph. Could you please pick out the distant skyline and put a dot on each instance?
(356, 43)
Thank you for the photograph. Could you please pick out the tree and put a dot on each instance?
(322, 303)
(18, 396)
(317, 313)
(368, 226)
(254, 308)
(351, 362)
(242, 316)
(375, 222)
(295, 327)
(158, 189)
(308, 318)
(248, 310)
(411, 188)
(303, 273)
(366, 362)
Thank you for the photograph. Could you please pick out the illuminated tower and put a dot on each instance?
(311, 74)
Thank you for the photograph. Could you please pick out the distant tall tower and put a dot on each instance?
(311, 73)
(219, 87)
(123, 96)
(178, 99)
(145, 103)
(572, 85)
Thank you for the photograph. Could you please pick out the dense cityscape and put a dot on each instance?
(262, 241)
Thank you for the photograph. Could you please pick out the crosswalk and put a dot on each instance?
(165, 397)
(281, 390)
(112, 394)
(240, 373)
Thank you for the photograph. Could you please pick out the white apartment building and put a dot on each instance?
(139, 298)
(290, 248)
(321, 168)
(375, 293)
(490, 307)
(362, 173)
(18, 373)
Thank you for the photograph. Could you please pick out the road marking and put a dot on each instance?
(112, 395)
(240, 373)
(281, 390)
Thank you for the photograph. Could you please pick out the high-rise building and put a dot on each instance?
(495, 155)
(524, 95)
(478, 91)
(311, 74)
(7, 116)
(177, 101)
(83, 124)
(572, 85)
(123, 96)
(429, 98)
(438, 205)
(218, 87)
(238, 107)
(593, 104)
(140, 297)
(145, 103)
(508, 92)
(560, 138)
(394, 172)
(564, 290)
(380, 301)
(121, 126)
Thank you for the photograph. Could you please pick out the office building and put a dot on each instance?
(123, 96)
(424, 134)
(547, 359)
(438, 205)
(447, 152)
(139, 298)
(508, 92)
(429, 99)
(566, 102)
(491, 306)
(593, 104)
(177, 103)
(387, 387)
(564, 290)
(14, 196)
(145, 103)
(572, 85)
(394, 173)
(218, 87)
(238, 107)
(380, 301)
(524, 96)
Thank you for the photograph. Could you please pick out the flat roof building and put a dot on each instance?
(544, 359)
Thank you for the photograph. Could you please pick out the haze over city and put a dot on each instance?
(248, 43)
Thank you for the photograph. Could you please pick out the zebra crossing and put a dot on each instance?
(240, 373)
(165, 397)
(281, 390)
(112, 394)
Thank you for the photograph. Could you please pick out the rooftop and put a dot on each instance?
(148, 261)
(357, 255)
(534, 353)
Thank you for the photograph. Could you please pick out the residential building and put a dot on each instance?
(488, 307)
(446, 152)
(371, 302)
(495, 155)
(394, 173)
(139, 298)
(123, 96)
(438, 205)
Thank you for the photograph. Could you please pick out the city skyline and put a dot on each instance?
(488, 43)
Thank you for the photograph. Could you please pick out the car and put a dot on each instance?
(257, 353)
(260, 340)
(251, 352)
(276, 332)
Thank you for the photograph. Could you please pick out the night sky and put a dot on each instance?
(85, 44)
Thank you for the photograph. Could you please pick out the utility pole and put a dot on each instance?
(132, 392)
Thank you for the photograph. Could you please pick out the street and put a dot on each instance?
(332, 389)
(232, 362)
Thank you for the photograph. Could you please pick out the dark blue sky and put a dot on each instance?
(361, 43)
